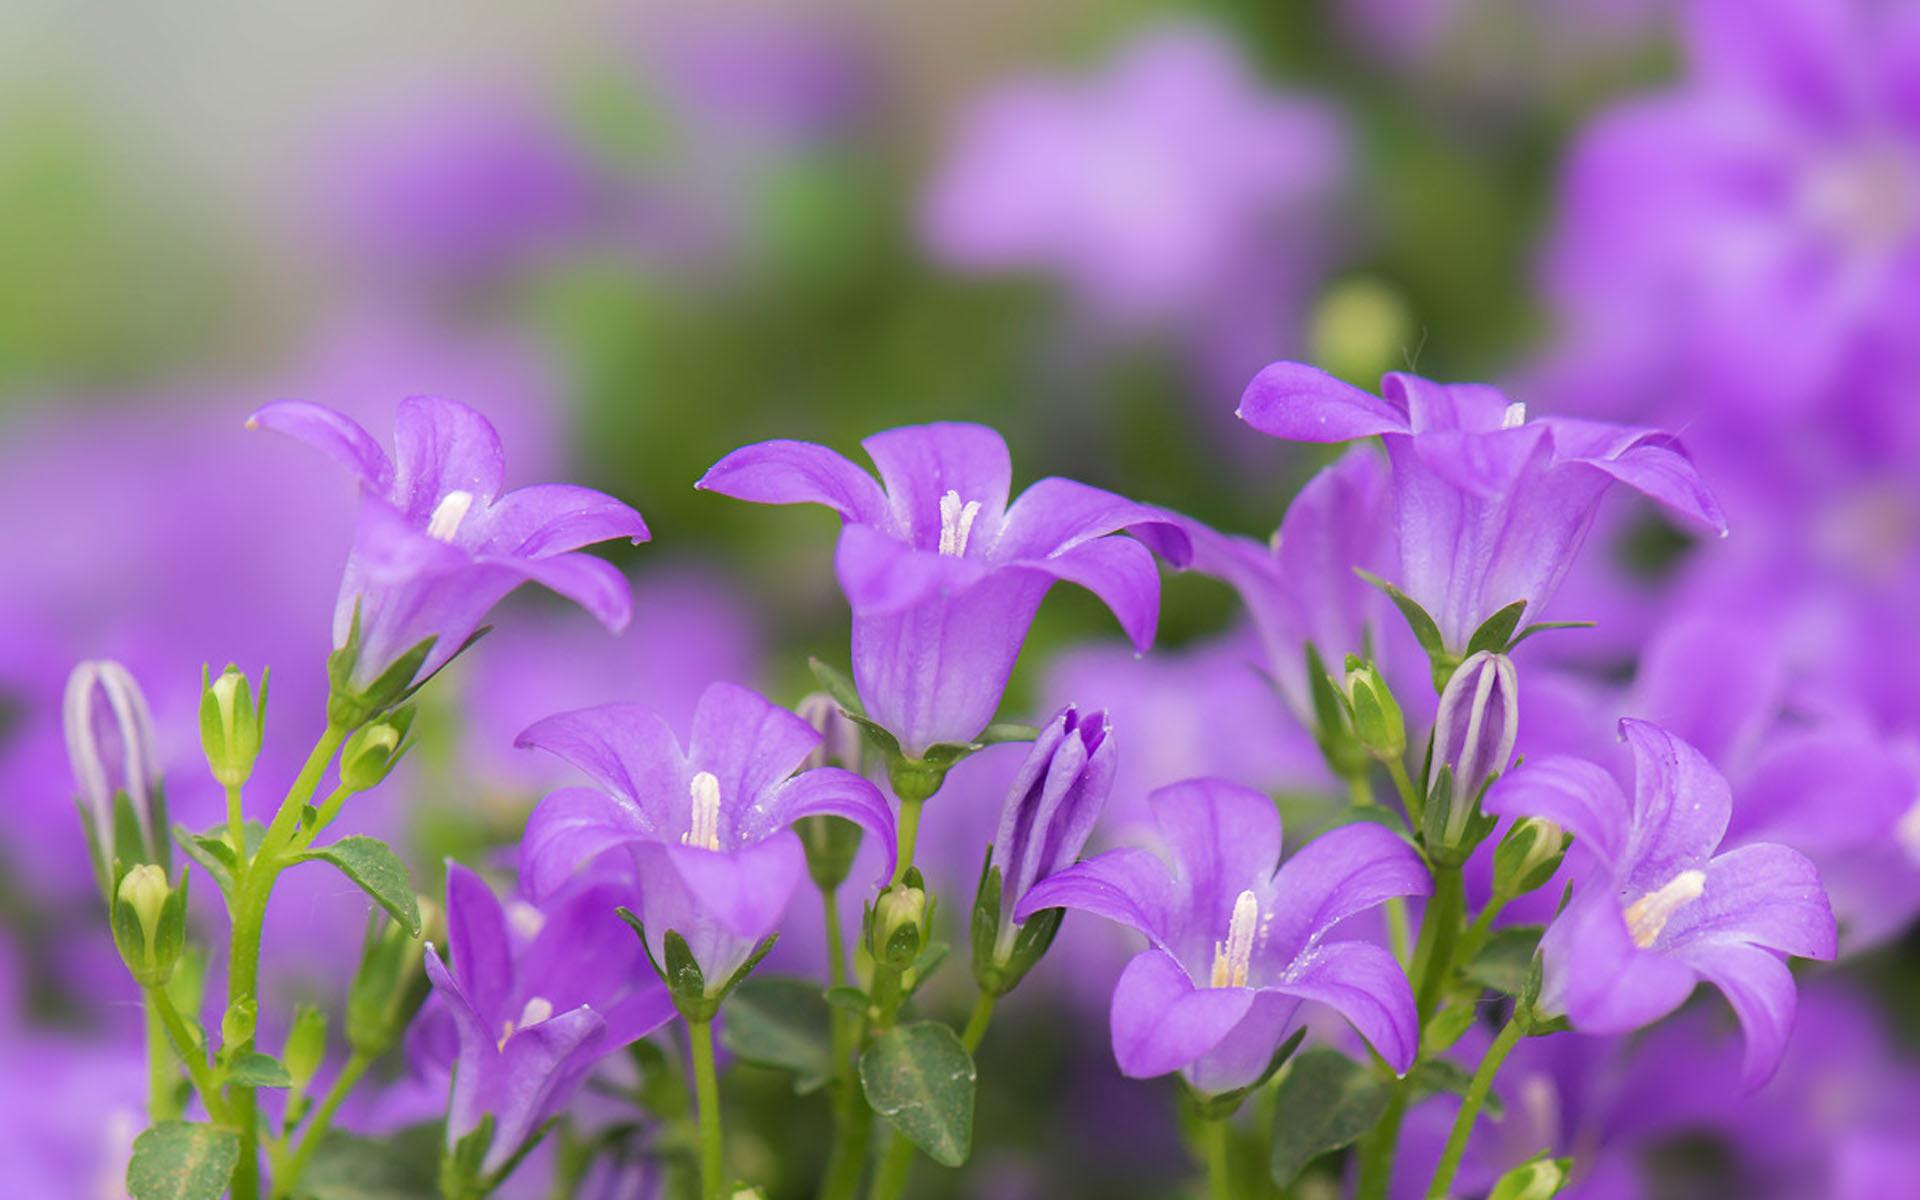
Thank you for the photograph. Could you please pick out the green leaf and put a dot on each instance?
(1539, 1178)
(259, 1070)
(837, 685)
(1503, 963)
(920, 1078)
(1445, 1027)
(684, 977)
(215, 856)
(1496, 631)
(180, 1160)
(1326, 1101)
(781, 1022)
(1437, 1075)
(1543, 626)
(379, 872)
(401, 1166)
(848, 999)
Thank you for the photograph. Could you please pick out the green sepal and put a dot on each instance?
(1221, 1105)
(984, 927)
(1031, 940)
(460, 1162)
(1332, 731)
(920, 1078)
(213, 851)
(388, 987)
(254, 1069)
(1325, 1102)
(182, 1160)
(1544, 626)
(837, 685)
(1447, 1026)
(378, 871)
(922, 968)
(684, 978)
(1425, 629)
(1528, 856)
(1001, 732)
(1495, 634)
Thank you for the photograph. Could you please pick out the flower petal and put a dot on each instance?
(477, 939)
(1058, 514)
(882, 575)
(1344, 871)
(593, 583)
(539, 1068)
(1647, 460)
(1680, 807)
(1363, 983)
(334, 434)
(831, 792)
(625, 748)
(1305, 404)
(1224, 839)
(570, 828)
(919, 464)
(1764, 895)
(748, 743)
(1760, 988)
(1431, 407)
(788, 472)
(1129, 886)
(474, 1073)
(1161, 1022)
(1121, 573)
(1598, 977)
(442, 446)
(744, 890)
(553, 518)
(1579, 796)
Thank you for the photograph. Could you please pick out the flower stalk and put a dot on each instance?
(1470, 1106)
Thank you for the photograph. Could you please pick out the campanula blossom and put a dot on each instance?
(1474, 733)
(706, 828)
(1235, 946)
(1657, 909)
(944, 575)
(437, 545)
(534, 1003)
(1492, 507)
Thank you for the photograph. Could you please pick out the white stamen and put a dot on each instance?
(1907, 831)
(1232, 958)
(447, 515)
(1648, 915)
(1514, 417)
(956, 522)
(705, 830)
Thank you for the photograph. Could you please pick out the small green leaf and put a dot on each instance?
(1006, 731)
(920, 1078)
(848, 999)
(379, 872)
(1503, 963)
(1445, 1027)
(781, 1022)
(259, 1070)
(180, 1160)
(837, 685)
(1496, 632)
(1326, 1101)
(684, 977)
(212, 851)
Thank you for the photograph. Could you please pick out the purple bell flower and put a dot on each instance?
(534, 1003)
(1491, 507)
(706, 828)
(436, 545)
(944, 575)
(1658, 910)
(1235, 946)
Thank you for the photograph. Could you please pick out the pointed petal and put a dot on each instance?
(334, 434)
(1363, 983)
(1121, 573)
(787, 472)
(1760, 988)
(646, 1008)
(553, 518)
(474, 1074)
(1305, 404)
(477, 939)
(1224, 838)
(1652, 463)
(539, 1068)
(1129, 886)
(831, 792)
(744, 891)
(1161, 1022)
(625, 748)
(1680, 807)
(1599, 978)
(1342, 872)
(569, 829)
(442, 446)
(1058, 514)
(882, 575)
(1765, 895)
(1430, 406)
(1577, 795)
(748, 743)
(593, 583)
(921, 463)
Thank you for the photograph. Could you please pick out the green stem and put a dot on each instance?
(890, 1179)
(1478, 932)
(236, 826)
(848, 1161)
(908, 832)
(350, 1074)
(1470, 1109)
(1432, 966)
(706, 1094)
(163, 1094)
(1404, 786)
(249, 913)
(328, 811)
(1217, 1133)
(848, 1158)
(977, 1023)
(187, 1049)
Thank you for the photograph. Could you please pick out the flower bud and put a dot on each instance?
(232, 724)
(370, 755)
(1377, 722)
(1473, 736)
(306, 1046)
(899, 926)
(830, 842)
(390, 984)
(110, 743)
(149, 923)
(1528, 856)
(237, 1023)
(842, 743)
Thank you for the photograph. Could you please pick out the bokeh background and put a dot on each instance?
(638, 236)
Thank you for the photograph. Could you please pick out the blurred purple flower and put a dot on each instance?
(1235, 945)
(1491, 507)
(532, 1015)
(1659, 910)
(712, 856)
(761, 77)
(437, 546)
(943, 575)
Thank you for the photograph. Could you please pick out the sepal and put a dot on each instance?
(1528, 856)
(149, 922)
(391, 983)
(374, 749)
(232, 723)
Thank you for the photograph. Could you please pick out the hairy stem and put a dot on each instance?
(908, 832)
(163, 1093)
(1470, 1109)
(977, 1023)
(188, 1050)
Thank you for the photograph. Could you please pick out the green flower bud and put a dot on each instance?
(149, 923)
(1528, 856)
(236, 1026)
(899, 926)
(390, 984)
(306, 1046)
(372, 752)
(1377, 722)
(1539, 1178)
(232, 724)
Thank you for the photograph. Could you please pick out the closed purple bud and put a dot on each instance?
(842, 744)
(109, 732)
(1051, 809)
(1473, 736)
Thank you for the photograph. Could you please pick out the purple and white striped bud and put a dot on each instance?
(1473, 736)
(110, 743)
(830, 842)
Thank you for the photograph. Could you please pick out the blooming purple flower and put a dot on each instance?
(706, 827)
(943, 574)
(1236, 946)
(436, 545)
(1491, 507)
(1658, 910)
(531, 1014)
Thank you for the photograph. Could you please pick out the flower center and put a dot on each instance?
(956, 523)
(1232, 958)
(1515, 416)
(705, 829)
(1648, 915)
(536, 1010)
(447, 515)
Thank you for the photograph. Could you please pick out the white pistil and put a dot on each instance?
(705, 829)
(1514, 417)
(956, 523)
(1648, 915)
(447, 515)
(1233, 958)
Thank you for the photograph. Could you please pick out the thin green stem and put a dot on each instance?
(890, 1178)
(187, 1049)
(1477, 933)
(706, 1095)
(324, 817)
(1470, 1109)
(977, 1023)
(350, 1074)
(163, 1092)
(1404, 786)
(1360, 792)
(908, 832)
(1217, 1134)
(836, 940)
(236, 826)
(848, 1158)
